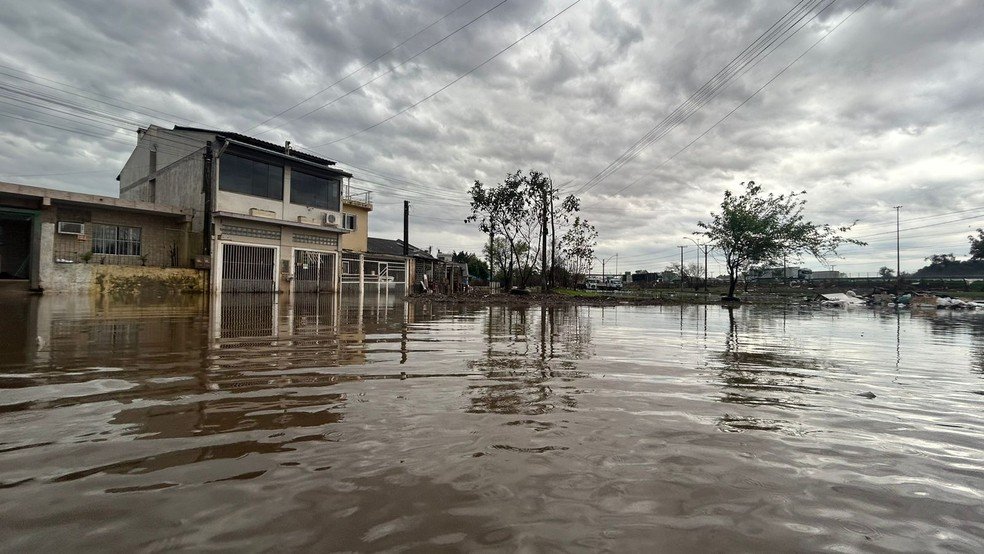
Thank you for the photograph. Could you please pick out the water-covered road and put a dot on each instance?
(256, 423)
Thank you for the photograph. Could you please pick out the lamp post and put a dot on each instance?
(604, 278)
(698, 245)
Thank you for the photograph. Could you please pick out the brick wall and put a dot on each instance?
(161, 238)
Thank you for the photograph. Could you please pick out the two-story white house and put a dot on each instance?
(266, 218)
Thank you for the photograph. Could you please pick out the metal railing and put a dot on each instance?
(358, 195)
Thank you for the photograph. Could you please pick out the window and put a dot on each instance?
(116, 239)
(317, 192)
(348, 221)
(246, 176)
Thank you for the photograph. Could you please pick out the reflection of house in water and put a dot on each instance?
(305, 330)
(83, 330)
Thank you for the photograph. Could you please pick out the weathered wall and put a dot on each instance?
(170, 148)
(123, 281)
(358, 239)
(180, 184)
(158, 235)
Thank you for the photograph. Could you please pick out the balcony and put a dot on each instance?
(358, 197)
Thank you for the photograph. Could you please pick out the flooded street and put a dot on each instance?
(253, 423)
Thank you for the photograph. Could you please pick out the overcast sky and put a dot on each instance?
(887, 110)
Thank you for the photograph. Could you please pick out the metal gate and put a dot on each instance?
(248, 268)
(314, 271)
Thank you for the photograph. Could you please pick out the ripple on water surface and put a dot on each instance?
(332, 424)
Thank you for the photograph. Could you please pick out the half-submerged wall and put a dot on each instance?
(123, 281)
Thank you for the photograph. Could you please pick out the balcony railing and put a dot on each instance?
(356, 196)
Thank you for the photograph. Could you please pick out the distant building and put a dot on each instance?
(779, 274)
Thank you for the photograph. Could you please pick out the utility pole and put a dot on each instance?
(697, 276)
(705, 269)
(681, 266)
(406, 228)
(898, 250)
(543, 247)
(491, 245)
(553, 238)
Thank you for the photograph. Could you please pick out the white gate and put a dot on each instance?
(248, 268)
(314, 271)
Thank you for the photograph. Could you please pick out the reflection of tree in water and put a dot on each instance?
(753, 376)
(529, 357)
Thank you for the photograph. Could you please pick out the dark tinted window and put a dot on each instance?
(317, 192)
(246, 176)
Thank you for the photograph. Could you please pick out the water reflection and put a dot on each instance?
(249, 420)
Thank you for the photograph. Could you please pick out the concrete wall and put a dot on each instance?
(282, 209)
(122, 281)
(180, 184)
(158, 235)
(358, 239)
(286, 241)
(170, 147)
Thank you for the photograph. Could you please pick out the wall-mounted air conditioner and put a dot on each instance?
(71, 228)
(331, 219)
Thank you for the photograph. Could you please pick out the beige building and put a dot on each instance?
(271, 217)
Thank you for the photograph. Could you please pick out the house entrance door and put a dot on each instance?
(314, 271)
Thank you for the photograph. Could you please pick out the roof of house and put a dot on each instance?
(395, 248)
(253, 141)
(39, 197)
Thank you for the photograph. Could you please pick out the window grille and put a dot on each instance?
(116, 239)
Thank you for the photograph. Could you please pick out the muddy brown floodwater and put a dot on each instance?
(258, 424)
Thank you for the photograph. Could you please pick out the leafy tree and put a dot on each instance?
(756, 228)
(518, 211)
(578, 246)
(941, 261)
(672, 272)
(500, 258)
(977, 246)
(476, 266)
(886, 272)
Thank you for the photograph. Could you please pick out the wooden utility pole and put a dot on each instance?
(406, 228)
(543, 242)
(491, 246)
(553, 239)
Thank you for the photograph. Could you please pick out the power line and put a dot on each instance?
(755, 52)
(363, 66)
(390, 70)
(746, 100)
(460, 77)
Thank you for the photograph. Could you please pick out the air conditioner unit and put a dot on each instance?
(331, 219)
(71, 228)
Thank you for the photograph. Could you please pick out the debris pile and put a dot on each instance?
(907, 300)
